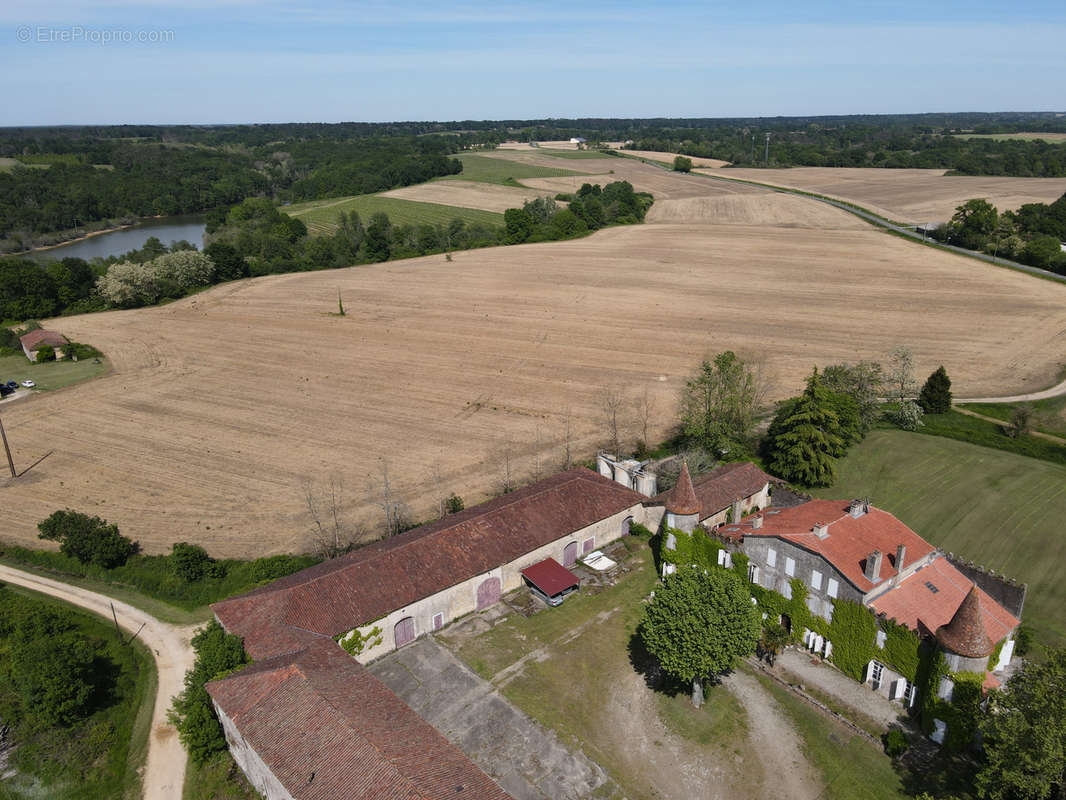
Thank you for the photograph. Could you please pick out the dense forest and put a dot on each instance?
(71, 179)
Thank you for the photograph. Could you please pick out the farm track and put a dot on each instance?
(222, 407)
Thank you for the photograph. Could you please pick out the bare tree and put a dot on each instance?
(568, 460)
(396, 518)
(331, 532)
(537, 473)
(507, 484)
(645, 408)
(612, 404)
(899, 377)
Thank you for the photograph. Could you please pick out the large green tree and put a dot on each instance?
(91, 540)
(698, 623)
(806, 437)
(719, 402)
(935, 396)
(1024, 734)
(973, 223)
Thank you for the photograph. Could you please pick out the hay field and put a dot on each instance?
(320, 216)
(907, 195)
(467, 194)
(1004, 137)
(221, 407)
(698, 162)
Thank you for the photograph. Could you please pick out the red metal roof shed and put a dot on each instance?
(550, 577)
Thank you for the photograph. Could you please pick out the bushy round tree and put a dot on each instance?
(697, 624)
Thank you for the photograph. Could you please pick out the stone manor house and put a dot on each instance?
(308, 720)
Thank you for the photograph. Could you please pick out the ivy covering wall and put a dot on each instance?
(901, 650)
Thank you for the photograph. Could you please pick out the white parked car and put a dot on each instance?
(28, 384)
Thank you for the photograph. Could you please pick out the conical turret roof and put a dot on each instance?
(682, 498)
(965, 634)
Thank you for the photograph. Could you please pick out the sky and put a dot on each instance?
(232, 61)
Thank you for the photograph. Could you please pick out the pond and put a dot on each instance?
(115, 243)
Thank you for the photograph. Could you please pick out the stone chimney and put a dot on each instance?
(873, 566)
(858, 508)
(901, 554)
(756, 522)
(821, 530)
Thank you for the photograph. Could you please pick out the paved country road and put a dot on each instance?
(164, 772)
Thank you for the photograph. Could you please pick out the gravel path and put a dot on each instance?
(164, 771)
(1055, 391)
(773, 739)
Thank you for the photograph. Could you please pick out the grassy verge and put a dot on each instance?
(218, 779)
(1000, 509)
(964, 428)
(486, 169)
(149, 582)
(1049, 416)
(103, 755)
(850, 766)
(50, 374)
(320, 216)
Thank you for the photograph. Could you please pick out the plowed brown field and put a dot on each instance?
(907, 195)
(221, 407)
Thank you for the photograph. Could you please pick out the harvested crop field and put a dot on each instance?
(320, 216)
(698, 162)
(222, 407)
(467, 194)
(906, 195)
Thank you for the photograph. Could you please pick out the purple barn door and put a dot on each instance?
(570, 554)
(404, 632)
(488, 593)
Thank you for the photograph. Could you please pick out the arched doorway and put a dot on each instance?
(404, 632)
(570, 555)
(488, 593)
(625, 525)
(786, 623)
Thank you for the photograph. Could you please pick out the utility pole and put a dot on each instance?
(767, 149)
(7, 450)
(753, 149)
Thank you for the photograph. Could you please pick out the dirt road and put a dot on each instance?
(1055, 391)
(164, 772)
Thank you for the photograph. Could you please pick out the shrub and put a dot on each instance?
(217, 653)
(190, 561)
(935, 397)
(45, 353)
(895, 743)
(682, 164)
(454, 504)
(907, 416)
(88, 539)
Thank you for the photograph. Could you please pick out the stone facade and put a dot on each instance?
(824, 583)
(258, 773)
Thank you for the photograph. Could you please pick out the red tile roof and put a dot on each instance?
(333, 597)
(329, 730)
(39, 337)
(850, 540)
(550, 576)
(682, 498)
(914, 604)
(718, 488)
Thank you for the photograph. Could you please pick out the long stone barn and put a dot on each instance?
(307, 720)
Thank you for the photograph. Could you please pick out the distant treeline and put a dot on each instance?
(256, 238)
(64, 183)
(77, 176)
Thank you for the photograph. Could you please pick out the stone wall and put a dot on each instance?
(259, 774)
(757, 549)
(1006, 591)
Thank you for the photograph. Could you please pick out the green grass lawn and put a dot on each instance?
(996, 508)
(1049, 416)
(851, 766)
(486, 169)
(102, 756)
(51, 374)
(218, 779)
(320, 216)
